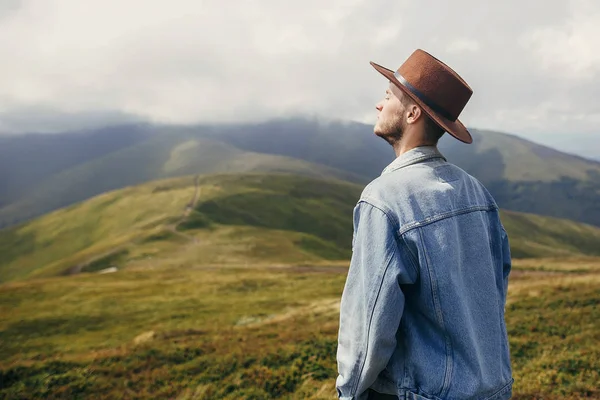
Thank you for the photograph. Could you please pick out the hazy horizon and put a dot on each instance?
(535, 73)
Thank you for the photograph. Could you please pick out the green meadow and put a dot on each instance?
(229, 220)
(228, 287)
(256, 333)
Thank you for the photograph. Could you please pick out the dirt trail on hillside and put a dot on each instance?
(76, 269)
(189, 207)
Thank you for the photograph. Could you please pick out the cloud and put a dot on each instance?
(462, 45)
(9, 6)
(570, 49)
(40, 119)
(188, 61)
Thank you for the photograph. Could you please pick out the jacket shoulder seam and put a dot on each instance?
(448, 214)
(387, 212)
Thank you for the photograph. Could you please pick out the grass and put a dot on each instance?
(255, 333)
(238, 219)
(319, 208)
(111, 259)
(199, 320)
(71, 236)
(535, 236)
(238, 297)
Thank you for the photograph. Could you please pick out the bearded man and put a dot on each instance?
(422, 312)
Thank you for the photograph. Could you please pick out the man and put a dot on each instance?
(422, 312)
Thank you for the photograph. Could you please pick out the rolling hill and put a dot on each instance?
(528, 177)
(27, 160)
(522, 175)
(159, 156)
(228, 220)
(36, 176)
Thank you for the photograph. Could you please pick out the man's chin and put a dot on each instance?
(377, 130)
(391, 139)
(380, 133)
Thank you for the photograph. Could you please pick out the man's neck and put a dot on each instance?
(407, 144)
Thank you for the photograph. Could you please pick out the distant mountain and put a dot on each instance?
(27, 160)
(584, 144)
(231, 219)
(528, 177)
(168, 154)
(40, 173)
(522, 175)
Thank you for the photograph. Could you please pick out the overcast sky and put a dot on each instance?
(534, 66)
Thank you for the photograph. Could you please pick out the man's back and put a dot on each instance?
(440, 260)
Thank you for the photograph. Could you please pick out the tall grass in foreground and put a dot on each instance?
(255, 333)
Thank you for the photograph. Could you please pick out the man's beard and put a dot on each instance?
(392, 132)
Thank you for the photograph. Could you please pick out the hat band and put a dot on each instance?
(423, 98)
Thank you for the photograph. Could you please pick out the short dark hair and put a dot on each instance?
(432, 130)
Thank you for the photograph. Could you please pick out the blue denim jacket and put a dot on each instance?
(422, 312)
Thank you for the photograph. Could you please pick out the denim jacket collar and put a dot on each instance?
(416, 155)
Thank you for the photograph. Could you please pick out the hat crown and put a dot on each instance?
(437, 84)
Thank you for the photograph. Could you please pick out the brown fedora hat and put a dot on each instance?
(436, 88)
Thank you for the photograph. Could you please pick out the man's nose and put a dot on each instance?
(379, 106)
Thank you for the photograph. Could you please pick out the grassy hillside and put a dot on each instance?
(256, 333)
(35, 177)
(228, 287)
(533, 235)
(231, 219)
(238, 219)
(161, 156)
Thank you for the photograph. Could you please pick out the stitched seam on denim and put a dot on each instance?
(413, 258)
(360, 371)
(438, 311)
(381, 207)
(438, 217)
(397, 235)
(449, 367)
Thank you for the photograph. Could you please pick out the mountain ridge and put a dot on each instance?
(147, 161)
(522, 175)
(229, 220)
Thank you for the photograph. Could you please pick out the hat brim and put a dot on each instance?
(455, 128)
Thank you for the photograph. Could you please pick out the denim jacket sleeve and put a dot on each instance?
(372, 302)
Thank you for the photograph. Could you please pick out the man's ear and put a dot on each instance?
(413, 114)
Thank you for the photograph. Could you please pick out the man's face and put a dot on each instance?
(390, 122)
